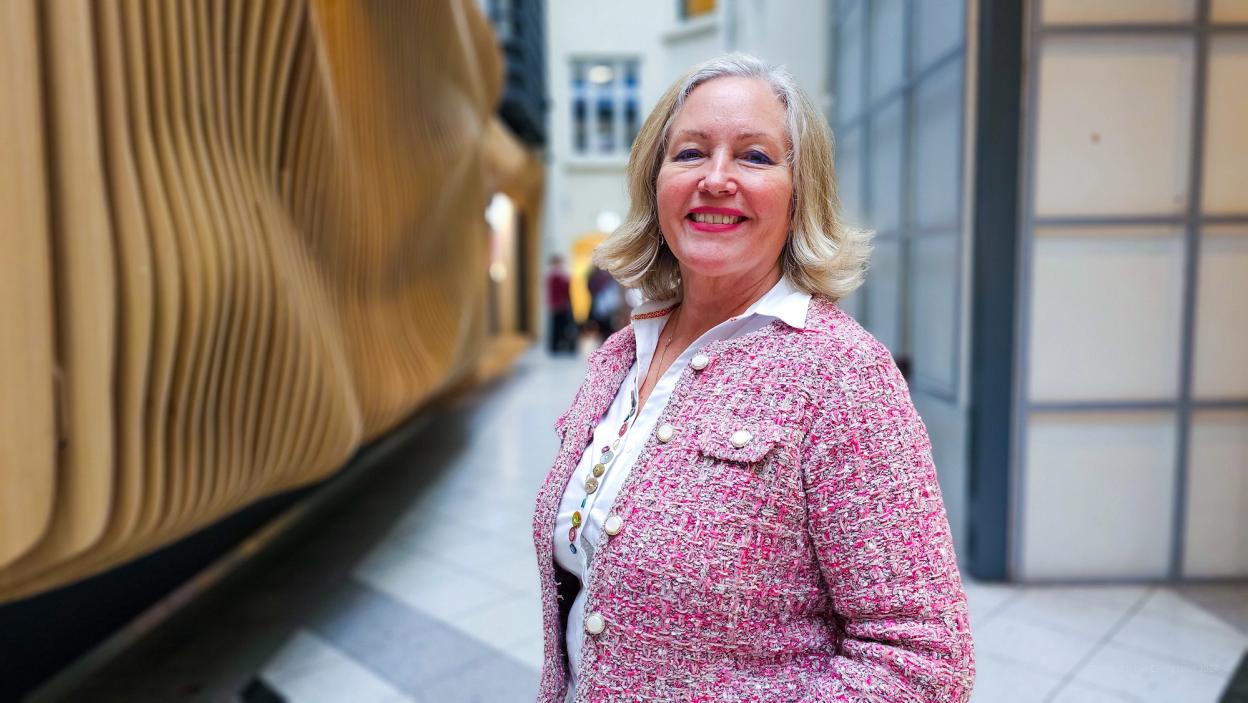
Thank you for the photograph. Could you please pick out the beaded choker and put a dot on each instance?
(605, 460)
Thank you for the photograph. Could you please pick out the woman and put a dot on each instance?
(743, 506)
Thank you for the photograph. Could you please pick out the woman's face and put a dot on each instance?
(725, 187)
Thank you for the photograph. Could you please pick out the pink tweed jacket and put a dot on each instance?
(814, 563)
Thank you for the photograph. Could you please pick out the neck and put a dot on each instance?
(708, 302)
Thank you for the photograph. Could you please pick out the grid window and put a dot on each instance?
(605, 110)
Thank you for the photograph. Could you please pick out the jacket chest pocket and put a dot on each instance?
(747, 470)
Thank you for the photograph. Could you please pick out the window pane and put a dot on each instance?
(1106, 316)
(849, 64)
(939, 25)
(934, 271)
(1217, 508)
(603, 76)
(1113, 126)
(884, 294)
(886, 186)
(1092, 11)
(1221, 359)
(632, 113)
(938, 149)
(580, 99)
(1230, 11)
(849, 175)
(1226, 136)
(1098, 491)
(888, 48)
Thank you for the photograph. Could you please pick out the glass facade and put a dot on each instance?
(898, 114)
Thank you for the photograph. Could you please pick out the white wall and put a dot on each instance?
(794, 33)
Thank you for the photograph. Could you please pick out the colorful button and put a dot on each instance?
(576, 519)
(613, 524)
(572, 547)
(606, 456)
(572, 535)
(591, 484)
(599, 469)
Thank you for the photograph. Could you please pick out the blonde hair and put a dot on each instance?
(822, 254)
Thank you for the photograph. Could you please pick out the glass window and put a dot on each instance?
(849, 175)
(937, 160)
(632, 111)
(605, 106)
(1113, 126)
(933, 298)
(1106, 314)
(580, 97)
(849, 64)
(939, 26)
(886, 168)
(888, 46)
(1099, 490)
(884, 293)
(1111, 11)
(1226, 134)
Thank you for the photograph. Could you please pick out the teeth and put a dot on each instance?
(709, 219)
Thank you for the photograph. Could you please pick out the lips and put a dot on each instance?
(715, 219)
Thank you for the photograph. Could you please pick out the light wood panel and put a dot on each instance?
(246, 236)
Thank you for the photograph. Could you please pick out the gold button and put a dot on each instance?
(740, 438)
(665, 433)
(591, 484)
(594, 623)
(613, 524)
(699, 361)
(599, 469)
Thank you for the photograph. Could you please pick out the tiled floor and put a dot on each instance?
(422, 588)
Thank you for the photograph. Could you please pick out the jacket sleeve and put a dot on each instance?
(883, 543)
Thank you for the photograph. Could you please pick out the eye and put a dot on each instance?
(755, 156)
(686, 154)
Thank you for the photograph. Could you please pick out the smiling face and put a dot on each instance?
(725, 186)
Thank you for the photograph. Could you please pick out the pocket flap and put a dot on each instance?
(717, 441)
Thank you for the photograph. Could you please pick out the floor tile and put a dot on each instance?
(1145, 677)
(310, 670)
(425, 583)
(1000, 680)
(1058, 607)
(1036, 646)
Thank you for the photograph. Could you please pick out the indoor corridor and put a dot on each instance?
(418, 583)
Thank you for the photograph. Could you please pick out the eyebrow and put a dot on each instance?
(703, 135)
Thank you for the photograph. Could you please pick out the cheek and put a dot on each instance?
(672, 194)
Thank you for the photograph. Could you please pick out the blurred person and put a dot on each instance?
(559, 307)
(604, 303)
(744, 506)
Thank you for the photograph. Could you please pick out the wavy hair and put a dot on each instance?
(822, 254)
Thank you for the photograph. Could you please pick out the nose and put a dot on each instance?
(720, 177)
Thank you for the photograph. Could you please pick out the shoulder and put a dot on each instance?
(836, 344)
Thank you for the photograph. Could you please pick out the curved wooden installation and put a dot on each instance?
(239, 239)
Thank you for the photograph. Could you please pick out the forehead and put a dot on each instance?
(732, 105)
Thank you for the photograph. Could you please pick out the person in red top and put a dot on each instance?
(559, 307)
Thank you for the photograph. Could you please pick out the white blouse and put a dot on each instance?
(783, 302)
